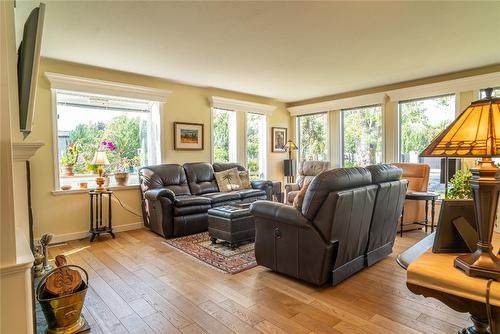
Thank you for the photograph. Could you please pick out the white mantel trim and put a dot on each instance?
(95, 86)
(473, 83)
(24, 257)
(239, 105)
(24, 151)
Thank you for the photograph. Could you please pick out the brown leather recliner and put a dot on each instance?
(418, 180)
(346, 222)
(308, 169)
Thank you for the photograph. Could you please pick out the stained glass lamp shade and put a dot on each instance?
(474, 134)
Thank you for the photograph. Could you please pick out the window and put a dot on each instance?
(224, 135)
(420, 122)
(496, 93)
(313, 137)
(256, 145)
(126, 129)
(362, 136)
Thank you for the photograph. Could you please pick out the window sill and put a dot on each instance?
(84, 191)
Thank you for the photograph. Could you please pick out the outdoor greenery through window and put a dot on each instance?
(420, 122)
(313, 137)
(496, 93)
(362, 136)
(224, 135)
(122, 128)
(256, 145)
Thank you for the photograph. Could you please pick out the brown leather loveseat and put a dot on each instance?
(348, 220)
(175, 198)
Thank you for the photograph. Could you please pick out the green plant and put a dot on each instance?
(70, 158)
(460, 184)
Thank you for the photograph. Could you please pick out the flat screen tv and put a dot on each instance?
(27, 67)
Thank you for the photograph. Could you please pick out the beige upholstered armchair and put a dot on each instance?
(307, 171)
(418, 180)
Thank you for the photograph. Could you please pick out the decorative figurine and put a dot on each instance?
(44, 242)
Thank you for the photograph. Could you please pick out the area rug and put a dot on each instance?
(218, 256)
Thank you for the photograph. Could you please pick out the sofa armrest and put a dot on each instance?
(155, 194)
(291, 187)
(265, 185)
(279, 212)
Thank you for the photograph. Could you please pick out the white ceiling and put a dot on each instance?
(284, 50)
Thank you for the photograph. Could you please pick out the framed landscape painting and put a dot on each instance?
(279, 139)
(188, 136)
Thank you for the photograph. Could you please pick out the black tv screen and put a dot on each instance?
(27, 67)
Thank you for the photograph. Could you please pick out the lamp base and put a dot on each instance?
(481, 263)
(99, 181)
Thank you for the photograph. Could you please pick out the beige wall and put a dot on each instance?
(67, 215)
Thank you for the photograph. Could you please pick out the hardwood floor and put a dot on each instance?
(140, 285)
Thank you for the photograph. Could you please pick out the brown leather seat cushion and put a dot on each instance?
(222, 197)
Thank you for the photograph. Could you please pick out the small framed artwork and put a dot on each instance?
(188, 136)
(279, 139)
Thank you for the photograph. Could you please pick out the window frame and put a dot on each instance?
(342, 128)
(233, 146)
(327, 130)
(262, 151)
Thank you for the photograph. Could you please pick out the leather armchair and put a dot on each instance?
(307, 171)
(418, 180)
(328, 238)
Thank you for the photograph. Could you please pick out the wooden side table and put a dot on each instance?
(96, 223)
(421, 196)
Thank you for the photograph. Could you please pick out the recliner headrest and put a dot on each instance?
(385, 173)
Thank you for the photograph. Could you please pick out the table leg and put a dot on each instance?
(426, 214)
(433, 206)
(402, 215)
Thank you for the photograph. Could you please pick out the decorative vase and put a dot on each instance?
(121, 178)
(68, 170)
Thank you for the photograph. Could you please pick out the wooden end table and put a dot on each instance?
(421, 196)
(96, 223)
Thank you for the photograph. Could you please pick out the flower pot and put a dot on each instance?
(68, 170)
(121, 178)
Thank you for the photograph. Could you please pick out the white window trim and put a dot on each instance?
(93, 86)
(240, 105)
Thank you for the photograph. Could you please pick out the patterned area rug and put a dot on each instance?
(218, 255)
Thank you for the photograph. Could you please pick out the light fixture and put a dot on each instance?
(476, 133)
(100, 159)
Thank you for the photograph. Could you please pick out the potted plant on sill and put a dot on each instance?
(69, 159)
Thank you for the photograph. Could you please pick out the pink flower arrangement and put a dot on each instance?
(108, 144)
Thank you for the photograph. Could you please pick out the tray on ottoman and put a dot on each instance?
(233, 224)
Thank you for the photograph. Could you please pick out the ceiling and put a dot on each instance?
(284, 50)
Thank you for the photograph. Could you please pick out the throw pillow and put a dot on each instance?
(299, 199)
(228, 180)
(245, 180)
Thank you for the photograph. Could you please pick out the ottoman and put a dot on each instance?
(233, 224)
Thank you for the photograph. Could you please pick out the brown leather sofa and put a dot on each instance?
(347, 221)
(308, 169)
(175, 198)
(418, 180)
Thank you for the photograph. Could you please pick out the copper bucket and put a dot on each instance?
(63, 313)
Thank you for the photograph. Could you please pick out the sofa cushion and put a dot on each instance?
(291, 195)
(228, 180)
(221, 166)
(247, 193)
(189, 200)
(200, 176)
(189, 210)
(169, 176)
(384, 173)
(222, 197)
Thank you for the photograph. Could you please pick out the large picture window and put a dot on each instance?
(256, 145)
(362, 136)
(313, 137)
(420, 122)
(224, 135)
(123, 128)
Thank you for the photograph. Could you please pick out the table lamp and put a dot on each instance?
(473, 134)
(288, 165)
(100, 159)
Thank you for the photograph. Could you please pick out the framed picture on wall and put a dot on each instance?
(188, 136)
(279, 139)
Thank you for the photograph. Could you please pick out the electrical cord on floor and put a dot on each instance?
(117, 199)
(488, 306)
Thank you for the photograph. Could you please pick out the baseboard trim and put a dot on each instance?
(84, 234)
